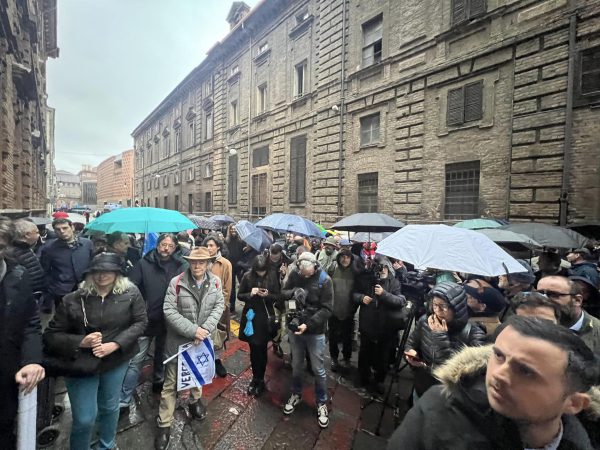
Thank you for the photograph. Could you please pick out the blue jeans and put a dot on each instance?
(95, 399)
(314, 344)
(135, 366)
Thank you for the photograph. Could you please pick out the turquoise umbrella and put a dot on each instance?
(478, 224)
(141, 220)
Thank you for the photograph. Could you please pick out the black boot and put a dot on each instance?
(198, 410)
(161, 442)
(220, 369)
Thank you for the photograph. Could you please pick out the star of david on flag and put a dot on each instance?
(195, 365)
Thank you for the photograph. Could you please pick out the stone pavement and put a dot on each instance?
(238, 421)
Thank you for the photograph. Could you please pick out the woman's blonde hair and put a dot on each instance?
(89, 288)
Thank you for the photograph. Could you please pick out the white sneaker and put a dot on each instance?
(291, 404)
(323, 415)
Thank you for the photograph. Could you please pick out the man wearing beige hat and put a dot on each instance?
(193, 306)
(326, 257)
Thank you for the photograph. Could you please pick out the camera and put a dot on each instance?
(296, 308)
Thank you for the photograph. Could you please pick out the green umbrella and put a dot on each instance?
(478, 224)
(141, 220)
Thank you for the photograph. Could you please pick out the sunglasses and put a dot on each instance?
(552, 294)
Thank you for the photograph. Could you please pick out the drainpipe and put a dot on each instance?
(340, 209)
(564, 191)
(249, 114)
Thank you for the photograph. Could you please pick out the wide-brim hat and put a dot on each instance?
(199, 254)
(105, 262)
(331, 241)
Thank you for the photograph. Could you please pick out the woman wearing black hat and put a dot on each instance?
(90, 341)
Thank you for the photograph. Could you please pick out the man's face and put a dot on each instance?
(166, 248)
(275, 257)
(212, 248)
(572, 257)
(474, 304)
(64, 232)
(121, 246)
(308, 272)
(558, 290)
(198, 268)
(329, 249)
(541, 312)
(32, 236)
(345, 261)
(525, 378)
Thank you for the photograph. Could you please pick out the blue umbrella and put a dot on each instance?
(478, 224)
(222, 219)
(141, 220)
(290, 223)
(255, 237)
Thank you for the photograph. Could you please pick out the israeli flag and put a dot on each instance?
(195, 365)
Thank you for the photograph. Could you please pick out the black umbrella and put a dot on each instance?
(375, 222)
(549, 235)
(39, 221)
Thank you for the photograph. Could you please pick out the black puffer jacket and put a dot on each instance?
(121, 318)
(375, 319)
(152, 277)
(25, 256)
(319, 299)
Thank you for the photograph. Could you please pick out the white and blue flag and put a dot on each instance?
(195, 365)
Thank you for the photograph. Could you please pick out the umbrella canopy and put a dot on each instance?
(222, 219)
(290, 223)
(477, 224)
(368, 222)
(204, 223)
(449, 248)
(76, 218)
(549, 235)
(371, 237)
(141, 220)
(38, 221)
(517, 241)
(255, 237)
(588, 229)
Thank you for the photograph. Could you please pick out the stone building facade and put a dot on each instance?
(68, 189)
(426, 110)
(88, 178)
(114, 180)
(27, 39)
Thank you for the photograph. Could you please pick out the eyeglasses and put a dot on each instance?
(440, 306)
(166, 246)
(552, 294)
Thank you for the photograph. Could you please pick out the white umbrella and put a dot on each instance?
(448, 248)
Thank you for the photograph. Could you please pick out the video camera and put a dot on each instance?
(416, 288)
(296, 310)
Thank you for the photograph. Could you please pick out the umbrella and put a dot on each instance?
(290, 223)
(371, 237)
(477, 224)
(222, 219)
(255, 237)
(141, 220)
(510, 239)
(39, 221)
(449, 248)
(76, 218)
(549, 235)
(588, 229)
(204, 223)
(368, 222)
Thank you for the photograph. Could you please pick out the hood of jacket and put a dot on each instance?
(472, 361)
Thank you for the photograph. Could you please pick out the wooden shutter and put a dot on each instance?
(473, 101)
(455, 111)
(459, 11)
(476, 8)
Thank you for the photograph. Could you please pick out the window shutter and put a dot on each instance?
(298, 169)
(476, 8)
(473, 101)
(455, 107)
(459, 11)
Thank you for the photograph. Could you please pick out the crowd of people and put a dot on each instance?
(498, 362)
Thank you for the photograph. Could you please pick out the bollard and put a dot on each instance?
(26, 434)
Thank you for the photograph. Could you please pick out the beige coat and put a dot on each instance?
(222, 269)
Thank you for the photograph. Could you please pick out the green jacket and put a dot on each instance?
(590, 332)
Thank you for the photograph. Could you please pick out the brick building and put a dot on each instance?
(426, 110)
(115, 180)
(27, 39)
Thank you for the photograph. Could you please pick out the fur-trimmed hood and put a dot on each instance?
(472, 361)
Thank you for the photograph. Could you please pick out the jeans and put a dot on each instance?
(135, 366)
(95, 399)
(314, 344)
(340, 332)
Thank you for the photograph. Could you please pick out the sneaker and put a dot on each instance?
(291, 404)
(335, 365)
(323, 415)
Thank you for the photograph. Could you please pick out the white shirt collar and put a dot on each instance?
(577, 325)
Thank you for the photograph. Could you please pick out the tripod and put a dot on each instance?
(399, 365)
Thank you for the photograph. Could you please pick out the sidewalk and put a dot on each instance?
(237, 421)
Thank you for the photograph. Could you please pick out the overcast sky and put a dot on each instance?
(118, 60)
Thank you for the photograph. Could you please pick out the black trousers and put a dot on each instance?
(373, 355)
(340, 332)
(8, 411)
(258, 360)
